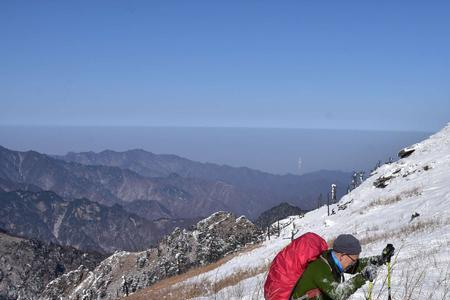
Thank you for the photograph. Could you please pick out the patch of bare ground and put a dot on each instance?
(173, 288)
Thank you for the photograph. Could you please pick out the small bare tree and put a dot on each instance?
(278, 228)
(294, 231)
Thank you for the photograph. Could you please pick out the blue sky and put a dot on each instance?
(380, 65)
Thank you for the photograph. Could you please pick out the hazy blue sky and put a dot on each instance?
(271, 150)
(307, 64)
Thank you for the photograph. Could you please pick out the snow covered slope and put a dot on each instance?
(417, 185)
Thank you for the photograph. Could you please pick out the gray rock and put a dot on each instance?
(405, 152)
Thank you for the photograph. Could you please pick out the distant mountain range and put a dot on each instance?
(129, 200)
(188, 190)
(172, 196)
(302, 190)
(81, 223)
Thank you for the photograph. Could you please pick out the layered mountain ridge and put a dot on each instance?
(183, 198)
(302, 190)
(80, 223)
(183, 193)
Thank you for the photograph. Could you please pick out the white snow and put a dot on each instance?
(377, 216)
(21, 159)
(58, 223)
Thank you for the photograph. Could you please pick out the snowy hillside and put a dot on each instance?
(415, 185)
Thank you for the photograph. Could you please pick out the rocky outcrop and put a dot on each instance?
(402, 169)
(125, 272)
(26, 266)
(405, 152)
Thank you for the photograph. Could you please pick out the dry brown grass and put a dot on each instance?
(173, 287)
(402, 231)
(393, 199)
(238, 277)
(200, 288)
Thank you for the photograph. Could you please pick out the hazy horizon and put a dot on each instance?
(273, 150)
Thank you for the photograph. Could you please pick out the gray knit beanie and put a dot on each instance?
(347, 244)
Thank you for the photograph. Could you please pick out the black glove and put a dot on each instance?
(369, 272)
(387, 253)
(376, 260)
(385, 256)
